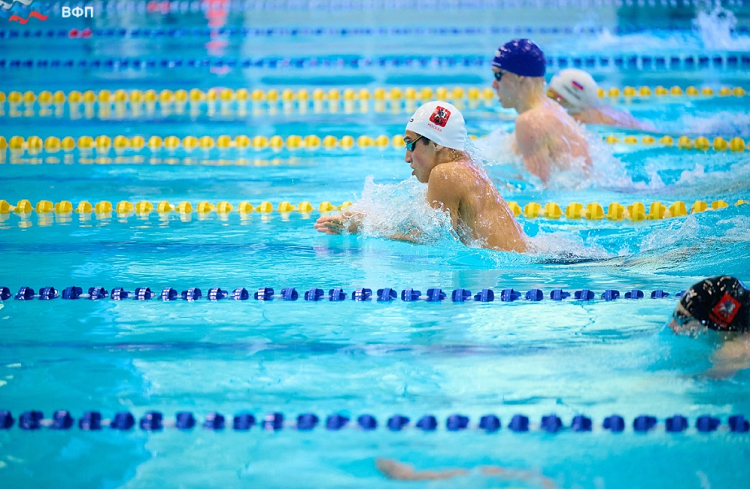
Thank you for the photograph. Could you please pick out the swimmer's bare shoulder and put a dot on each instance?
(536, 125)
(446, 184)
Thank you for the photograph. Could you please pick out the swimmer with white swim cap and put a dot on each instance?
(577, 92)
(546, 136)
(435, 141)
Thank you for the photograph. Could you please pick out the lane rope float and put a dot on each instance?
(102, 144)
(593, 211)
(331, 31)
(306, 31)
(425, 93)
(153, 421)
(636, 212)
(593, 62)
(336, 294)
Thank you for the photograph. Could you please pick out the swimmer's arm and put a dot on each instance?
(533, 147)
(403, 472)
(409, 238)
(732, 356)
(348, 222)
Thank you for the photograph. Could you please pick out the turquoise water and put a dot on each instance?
(569, 358)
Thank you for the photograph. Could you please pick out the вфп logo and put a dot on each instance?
(7, 5)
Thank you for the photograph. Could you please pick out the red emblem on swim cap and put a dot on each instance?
(440, 116)
(725, 311)
(577, 85)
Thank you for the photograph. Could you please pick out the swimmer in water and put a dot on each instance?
(435, 138)
(546, 135)
(399, 471)
(578, 93)
(721, 304)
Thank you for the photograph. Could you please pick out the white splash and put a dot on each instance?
(401, 208)
(566, 246)
(716, 27)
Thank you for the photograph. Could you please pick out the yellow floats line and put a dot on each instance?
(700, 143)
(660, 91)
(24, 207)
(615, 212)
(593, 211)
(35, 144)
(137, 143)
(243, 95)
(288, 95)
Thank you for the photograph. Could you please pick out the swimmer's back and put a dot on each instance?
(482, 212)
(564, 137)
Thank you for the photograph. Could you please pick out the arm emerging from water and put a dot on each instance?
(350, 223)
(732, 356)
(399, 471)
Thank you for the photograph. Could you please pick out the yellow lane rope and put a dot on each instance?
(121, 143)
(288, 95)
(637, 211)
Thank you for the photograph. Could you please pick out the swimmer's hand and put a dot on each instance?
(337, 224)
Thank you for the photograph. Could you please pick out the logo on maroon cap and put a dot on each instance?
(725, 311)
(440, 116)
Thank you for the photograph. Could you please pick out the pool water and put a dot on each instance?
(595, 358)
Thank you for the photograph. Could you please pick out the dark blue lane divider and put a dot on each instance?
(185, 420)
(292, 32)
(315, 295)
(625, 61)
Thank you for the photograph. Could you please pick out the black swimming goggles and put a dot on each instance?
(410, 145)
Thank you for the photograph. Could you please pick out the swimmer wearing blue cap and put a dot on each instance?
(721, 304)
(546, 135)
(435, 141)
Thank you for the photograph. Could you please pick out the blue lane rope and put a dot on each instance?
(184, 420)
(352, 31)
(315, 294)
(628, 61)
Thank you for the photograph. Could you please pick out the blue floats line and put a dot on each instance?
(244, 32)
(185, 420)
(626, 61)
(273, 32)
(335, 294)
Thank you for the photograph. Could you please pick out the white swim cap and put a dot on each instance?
(440, 122)
(577, 87)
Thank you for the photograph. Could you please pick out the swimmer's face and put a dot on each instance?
(505, 87)
(422, 158)
(682, 321)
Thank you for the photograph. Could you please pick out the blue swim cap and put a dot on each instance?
(520, 56)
